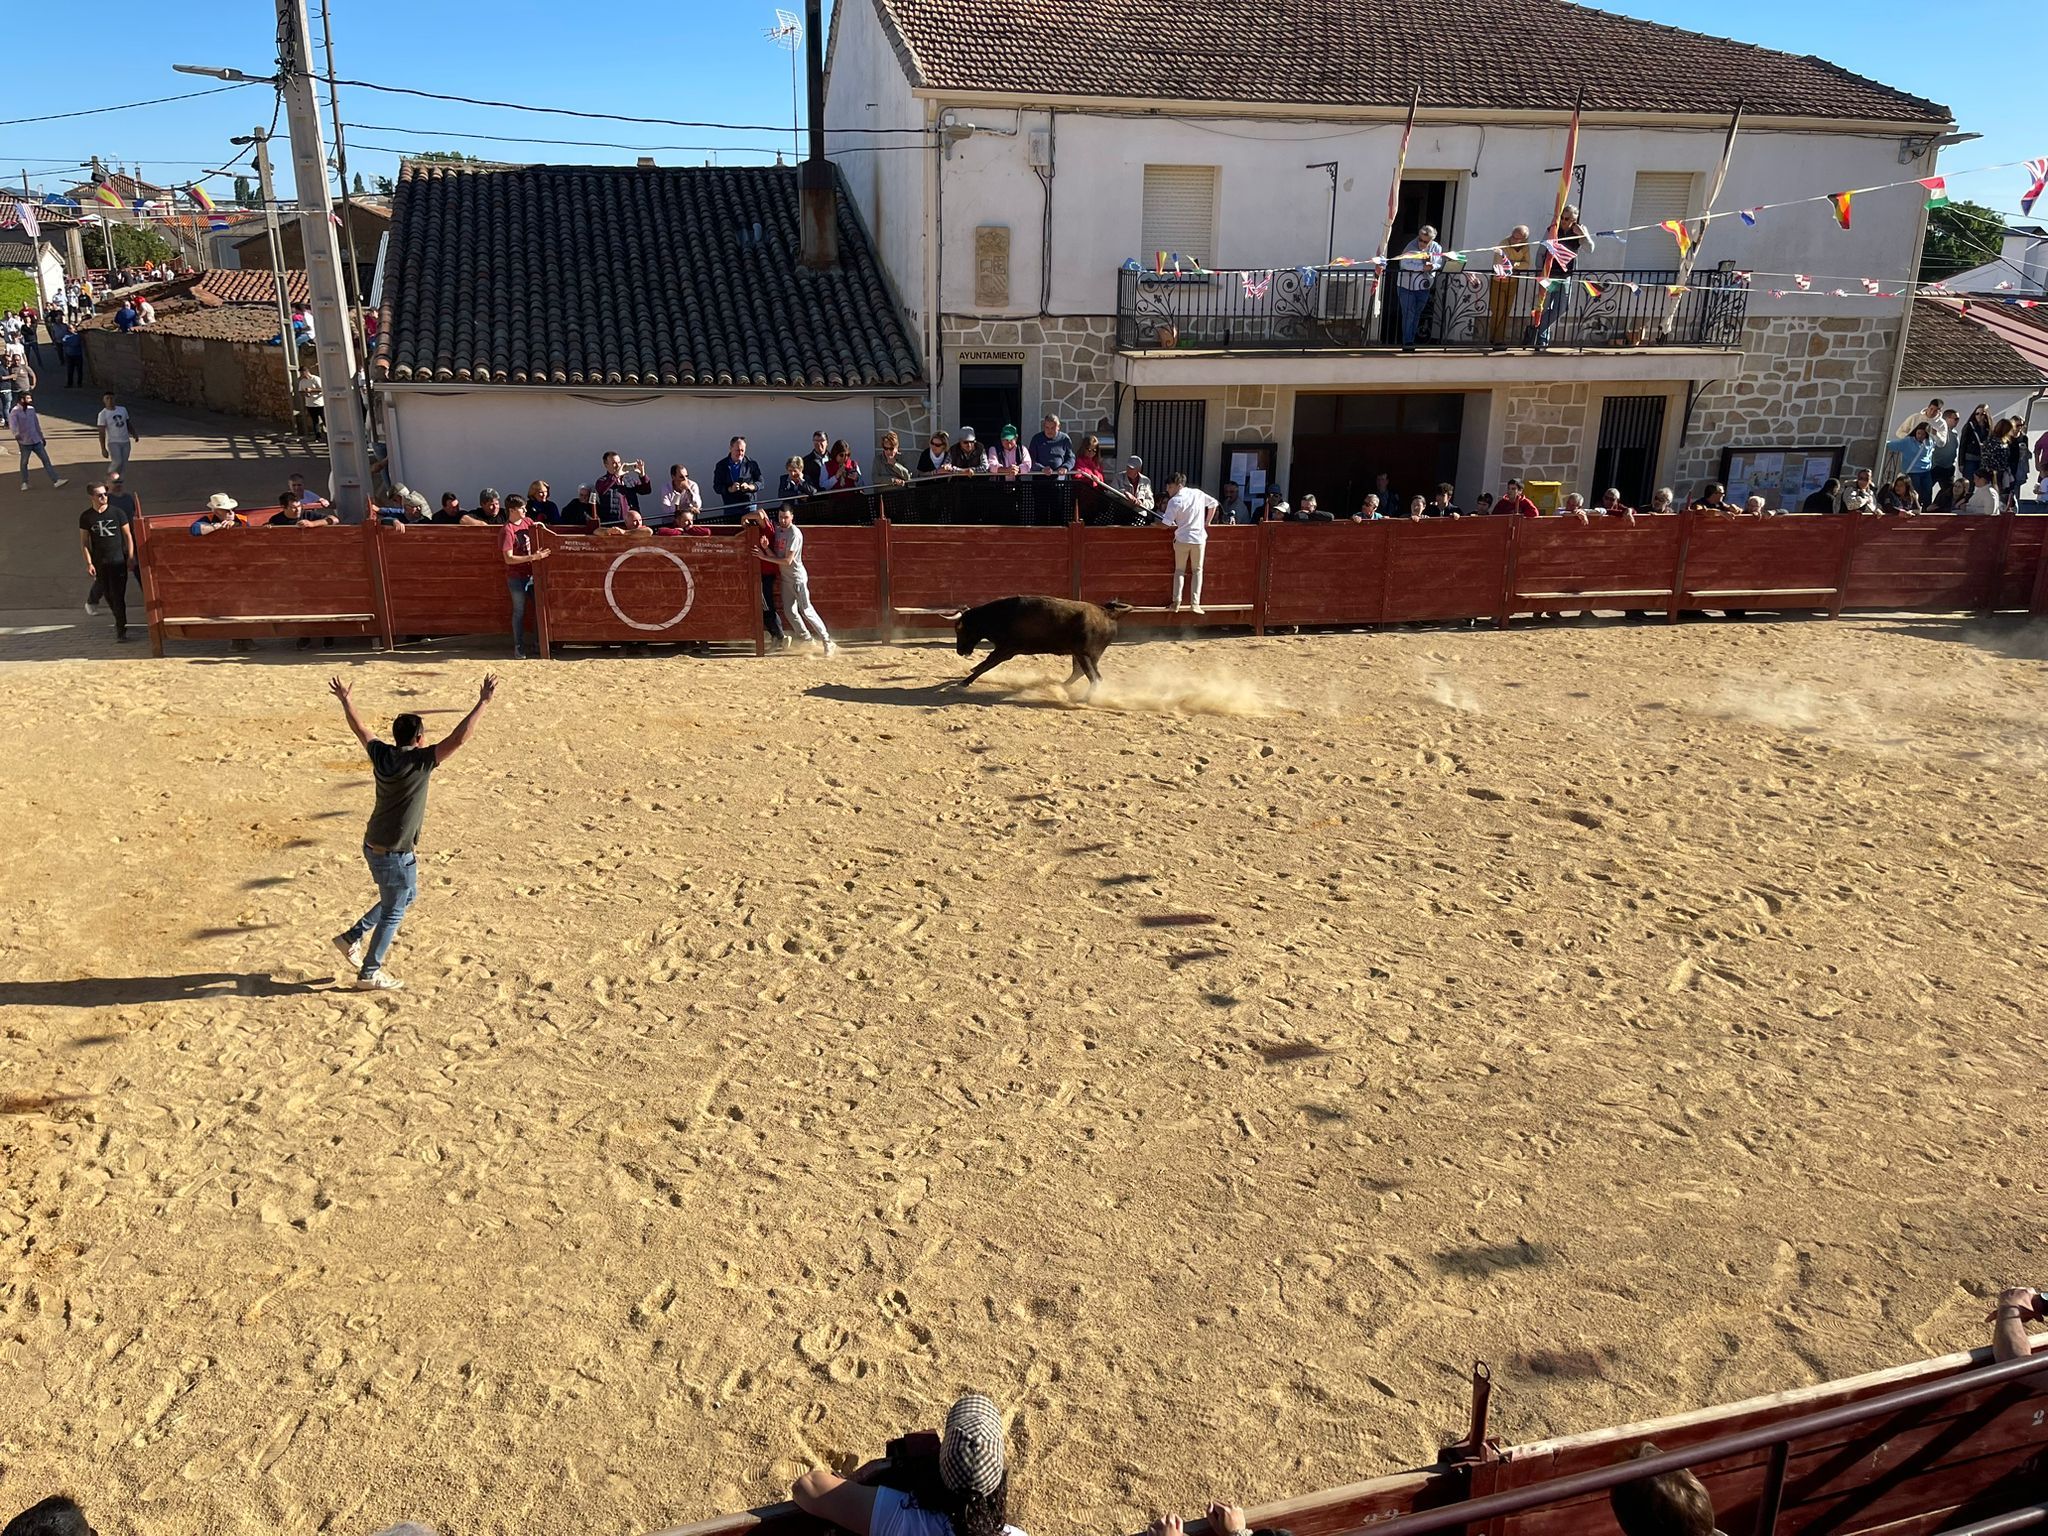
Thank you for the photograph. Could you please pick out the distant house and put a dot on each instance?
(534, 317)
(2020, 268)
(1074, 147)
(52, 256)
(127, 188)
(369, 222)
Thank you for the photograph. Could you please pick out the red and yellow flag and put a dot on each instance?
(1681, 234)
(1839, 201)
(106, 195)
(198, 195)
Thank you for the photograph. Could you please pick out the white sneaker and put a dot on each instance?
(58, 485)
(1197, 608)
(377, 981)
(1174, 609)
(92, 608)
(831, 649)
(788, 640)
(351, 950)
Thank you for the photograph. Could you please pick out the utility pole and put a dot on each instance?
(286, 339)
(348, 448)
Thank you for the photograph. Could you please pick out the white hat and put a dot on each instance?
(220, 502)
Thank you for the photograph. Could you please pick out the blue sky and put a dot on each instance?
(710, 61)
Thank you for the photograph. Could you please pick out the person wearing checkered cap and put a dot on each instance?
(969, 1496)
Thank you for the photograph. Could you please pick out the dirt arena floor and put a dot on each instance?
(1211, 1073)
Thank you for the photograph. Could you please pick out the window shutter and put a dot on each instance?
(1180, 213)
(1660, 195)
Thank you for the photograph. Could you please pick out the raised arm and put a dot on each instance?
(348, 709)
(2009, 1338)
(448, 745)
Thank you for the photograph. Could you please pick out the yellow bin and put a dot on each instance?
(1547, 494)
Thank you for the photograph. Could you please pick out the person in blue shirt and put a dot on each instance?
(737, 478)
(73, 349)
(1916, 459)
(1052, 449)
(127, 317)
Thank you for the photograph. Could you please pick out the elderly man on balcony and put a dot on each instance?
(1414, 276)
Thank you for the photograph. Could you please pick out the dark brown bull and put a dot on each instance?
(1039, 626)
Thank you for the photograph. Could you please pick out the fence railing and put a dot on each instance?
(1331, 308)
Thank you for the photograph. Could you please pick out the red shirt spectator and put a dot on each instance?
(1514, 504)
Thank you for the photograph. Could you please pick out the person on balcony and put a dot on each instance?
(967, 457)
(890, 470)
(1052, 451)
(794, 485)
(736, 478)
(816, 460)
(1088, 460)
(842, 469)
(1414, 279)
(1510, 262)
(937, 456)
(1009, 457)
(1557, 301)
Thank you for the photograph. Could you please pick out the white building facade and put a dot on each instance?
(1010, 239)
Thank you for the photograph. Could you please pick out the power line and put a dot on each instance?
(154, 101)
(608, 117)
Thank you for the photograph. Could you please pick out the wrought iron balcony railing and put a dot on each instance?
(1331, 308)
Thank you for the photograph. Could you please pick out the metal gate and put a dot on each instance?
(1631, 431)
(1168, 436)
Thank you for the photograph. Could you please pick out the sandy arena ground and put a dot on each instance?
(1212, 1073)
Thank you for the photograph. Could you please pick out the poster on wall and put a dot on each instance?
(1251, 466)
(1784, 477)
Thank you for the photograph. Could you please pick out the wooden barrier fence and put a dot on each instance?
(878, 578)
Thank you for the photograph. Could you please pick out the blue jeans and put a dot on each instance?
(1555, 307)
(42, 452)
(1923, 482)
(521, 588)
(1413, 302)
(398, 881)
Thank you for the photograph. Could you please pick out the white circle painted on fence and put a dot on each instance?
(689, 588)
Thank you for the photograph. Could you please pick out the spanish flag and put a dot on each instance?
(106, 195)
(1839, 201)
(1681, 234)
(198, 196)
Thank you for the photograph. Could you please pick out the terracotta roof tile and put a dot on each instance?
(1945, 348)
(1463, 53)
(651, 277)
(248, 285)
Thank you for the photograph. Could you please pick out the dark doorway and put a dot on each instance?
(1167, 435)
(1342, 442)
(991, 398)
(1631, 429)
(1421, 202)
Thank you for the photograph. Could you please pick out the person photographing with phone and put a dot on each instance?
(620, 486)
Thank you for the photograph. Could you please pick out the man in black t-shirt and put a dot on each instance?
(402, 767)
(109, 546)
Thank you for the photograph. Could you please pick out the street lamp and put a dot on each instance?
(233, 76)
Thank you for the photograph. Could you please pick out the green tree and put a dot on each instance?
(446, 157)
(245, 192)
(1960, 236)
(385, 186)
(133, 245)
(357, 187)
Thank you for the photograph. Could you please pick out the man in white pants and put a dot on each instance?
(799, 618)
(1188, 511)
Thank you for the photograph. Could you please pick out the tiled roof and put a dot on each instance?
(47, 218)
(249, 285)
(1463, 53)
(16, 249)
(569, 275)
(1945, 348)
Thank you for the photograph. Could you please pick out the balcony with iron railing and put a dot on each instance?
(1332, 309)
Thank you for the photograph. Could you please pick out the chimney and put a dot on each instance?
(817, 185)
(646, 162)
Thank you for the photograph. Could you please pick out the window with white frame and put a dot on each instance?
(1180, 213)
(1659, 195)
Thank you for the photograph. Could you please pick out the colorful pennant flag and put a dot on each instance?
(1937, 190)
(1561, 253)
(1618, 236)
(2038, 169)
(1159, 262)
(1872, 286)
(106, 197)
(1679, 233)
(216, 222)
(1777, 293)
(1839, 201)
(1593, 289)
(198, 195)
(1802, 280)
(30, 224)
(1256, 285)
(1749, 215)
(1674, 289)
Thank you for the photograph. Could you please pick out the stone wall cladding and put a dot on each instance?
(1546, 432)
(1074, 354)
(234, 377)
(906, 416)
(1804, 379)
(1251, 413)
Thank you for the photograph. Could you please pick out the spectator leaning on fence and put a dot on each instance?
(1860, 495)
(816, 461)
(937, 456)
(681, 496)
(737, 477)
(218, 516)
(890, 470)
(1136, 484)
(966, 1493)
(794, 484)
(1513, 503)
(1414, 276)
(1051, 449)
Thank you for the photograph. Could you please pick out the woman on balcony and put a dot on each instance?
(1510, 261)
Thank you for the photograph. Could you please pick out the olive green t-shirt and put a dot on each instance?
(401, 795)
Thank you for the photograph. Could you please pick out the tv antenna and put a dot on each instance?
(788, 32)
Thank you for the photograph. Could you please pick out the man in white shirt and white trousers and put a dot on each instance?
(1188, 511)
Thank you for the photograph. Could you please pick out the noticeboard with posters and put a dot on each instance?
(1784, 477)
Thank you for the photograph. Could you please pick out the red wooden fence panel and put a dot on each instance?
(1135, 565)
(446, 580)
(1633, 565)
(1329, 573)
(599, 590)
(943, 569)
(242, 583)
(845, 570)
(1448, 568)
(2014, 581)
(1923, 562)
(1764, 563)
